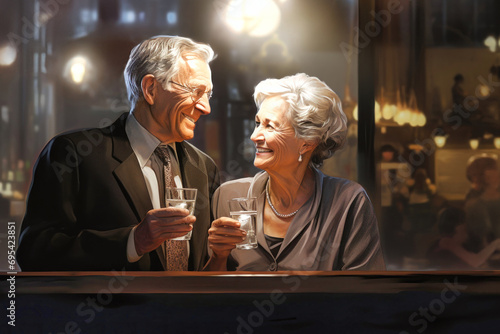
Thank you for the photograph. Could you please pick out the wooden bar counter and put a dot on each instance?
(252, 302)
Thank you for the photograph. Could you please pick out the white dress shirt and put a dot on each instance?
(144, 144)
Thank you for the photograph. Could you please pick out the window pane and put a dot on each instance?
(438, 110)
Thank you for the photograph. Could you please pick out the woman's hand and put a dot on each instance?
(223, 236)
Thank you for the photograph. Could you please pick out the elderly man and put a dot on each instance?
(95, 201)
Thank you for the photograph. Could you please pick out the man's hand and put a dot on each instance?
(160, 225)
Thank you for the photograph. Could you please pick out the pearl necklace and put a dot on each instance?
(274, 209)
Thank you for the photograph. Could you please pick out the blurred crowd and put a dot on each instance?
(422, 230)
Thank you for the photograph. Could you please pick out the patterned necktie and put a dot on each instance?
(175, 251)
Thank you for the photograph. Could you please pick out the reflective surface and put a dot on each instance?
(432, 60)
(434, 77)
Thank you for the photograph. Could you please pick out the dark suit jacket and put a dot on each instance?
(87, 193)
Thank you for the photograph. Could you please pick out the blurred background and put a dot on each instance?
(427, 71)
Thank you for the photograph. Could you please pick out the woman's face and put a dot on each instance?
(277, 147)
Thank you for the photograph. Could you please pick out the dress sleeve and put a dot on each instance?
(361, 241)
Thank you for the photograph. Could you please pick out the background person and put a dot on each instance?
(476, 166)
(458, 93)
(449, 252)
(394, 193)
(306, 220)
(100, 210)
(420, 210)
(483, 205)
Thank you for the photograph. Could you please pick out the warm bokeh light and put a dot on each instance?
(440, 141)
(389, 111)
(474, 143)
(378, 113)
(8, 55)
(77, 69)
(421, 119)
(484, 90)
(403, 117)
(496, 142)
(491, 43)
(413, 118)
(257, 18)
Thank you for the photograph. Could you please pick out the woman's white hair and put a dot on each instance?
(314, 110)
(160, 56)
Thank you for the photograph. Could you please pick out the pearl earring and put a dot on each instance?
(300, 157)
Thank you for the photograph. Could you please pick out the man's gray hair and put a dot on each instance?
(314, 110)
(160, 56)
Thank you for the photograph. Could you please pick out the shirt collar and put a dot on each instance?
(142, 141)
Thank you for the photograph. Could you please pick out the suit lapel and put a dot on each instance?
(128, 173)
(190, 170)
(194, 177)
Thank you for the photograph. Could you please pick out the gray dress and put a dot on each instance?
(336, 229)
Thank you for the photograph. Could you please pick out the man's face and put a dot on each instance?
(174, 109)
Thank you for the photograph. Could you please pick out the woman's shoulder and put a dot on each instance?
(237, 183)
(340, 184)
(234, 188)
(341, 192)
(240, 187)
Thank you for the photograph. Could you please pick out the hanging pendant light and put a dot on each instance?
(440, 141)
(496, 142)
(474, 143)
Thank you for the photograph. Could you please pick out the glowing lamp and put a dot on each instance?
(474, 143)
(440, 141)
(496, 142)
(258, 18)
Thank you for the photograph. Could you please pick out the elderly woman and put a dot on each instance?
(306, 220)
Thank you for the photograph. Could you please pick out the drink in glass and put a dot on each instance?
(181, 198)
(245, 211)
